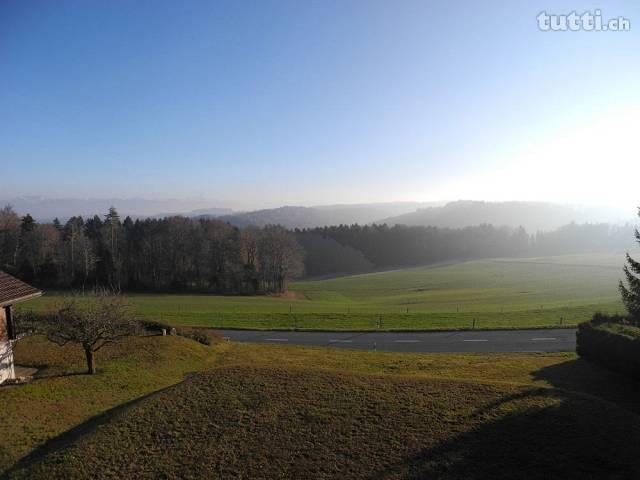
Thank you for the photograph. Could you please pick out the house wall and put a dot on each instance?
(6, 350)
(3, 326)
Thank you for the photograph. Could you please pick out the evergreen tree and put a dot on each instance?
(631, 291)
(9, 238)
(112, 219)
(30, 247)
(111, 256)
(28, 224)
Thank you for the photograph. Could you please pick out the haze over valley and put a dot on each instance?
(533, 216)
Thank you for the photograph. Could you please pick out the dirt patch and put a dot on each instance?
(290, 295)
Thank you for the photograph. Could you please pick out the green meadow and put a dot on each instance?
(494, 293)
(271, 411)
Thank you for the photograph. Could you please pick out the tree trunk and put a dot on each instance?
(91, 367)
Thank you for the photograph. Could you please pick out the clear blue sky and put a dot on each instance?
(309, 102)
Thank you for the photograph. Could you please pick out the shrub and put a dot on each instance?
(154, 325)
(612, 343)
(201, 335)
(600, 318)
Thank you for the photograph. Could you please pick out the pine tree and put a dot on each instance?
(631, 291)
(112, 260)
(28, 224)
(113, 220)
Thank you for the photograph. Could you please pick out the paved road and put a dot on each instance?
(556, 340)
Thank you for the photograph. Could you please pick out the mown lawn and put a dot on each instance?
(267, 411)
(62, 396)
(249, 422)
(498, 293)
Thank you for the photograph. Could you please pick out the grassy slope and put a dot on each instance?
(546, 370)
(248, 422)
(62, 397)
(269, 411)
(498, 293)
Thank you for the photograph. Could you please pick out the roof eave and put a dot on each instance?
(20, 299)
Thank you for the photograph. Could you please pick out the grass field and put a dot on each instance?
(498, 293)
(264, 411)
(62, 397)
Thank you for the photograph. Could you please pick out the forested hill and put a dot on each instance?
(359, 249)
(200, 254)
(309, 217)
(533, 216)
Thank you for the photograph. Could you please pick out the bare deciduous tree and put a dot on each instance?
(91, 321)
(281, 258)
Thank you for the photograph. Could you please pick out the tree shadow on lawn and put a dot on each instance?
(574, 438)
(70, 436)
(47, 375)
(45, 371)
(582, 376)
(534, 433)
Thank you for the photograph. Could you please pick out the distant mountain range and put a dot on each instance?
(46, 209)
(533, 216)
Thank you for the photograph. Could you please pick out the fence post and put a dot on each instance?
(474, 324)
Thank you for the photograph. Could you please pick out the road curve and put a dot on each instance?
(481, 341)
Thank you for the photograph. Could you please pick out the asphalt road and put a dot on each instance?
(547, 340)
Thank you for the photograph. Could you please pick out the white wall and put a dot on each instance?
(6, 361)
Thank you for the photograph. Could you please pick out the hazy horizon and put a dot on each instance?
(459, 213)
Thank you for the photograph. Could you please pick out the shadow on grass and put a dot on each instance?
(578, 437)
(50, 375)
(582, 376)
(528, 433)
(573, 439)
(70, 436)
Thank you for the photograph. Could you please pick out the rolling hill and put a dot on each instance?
(267, 422)
(309, 217)
(533, 216)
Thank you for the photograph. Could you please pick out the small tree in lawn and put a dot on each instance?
(631, 291)
(91, 321)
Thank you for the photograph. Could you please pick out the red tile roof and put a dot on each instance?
(13, 290)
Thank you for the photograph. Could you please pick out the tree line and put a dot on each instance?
(355, 248)
(168, 254)
(207, 255)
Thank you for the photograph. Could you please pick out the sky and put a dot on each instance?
(264, 103)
